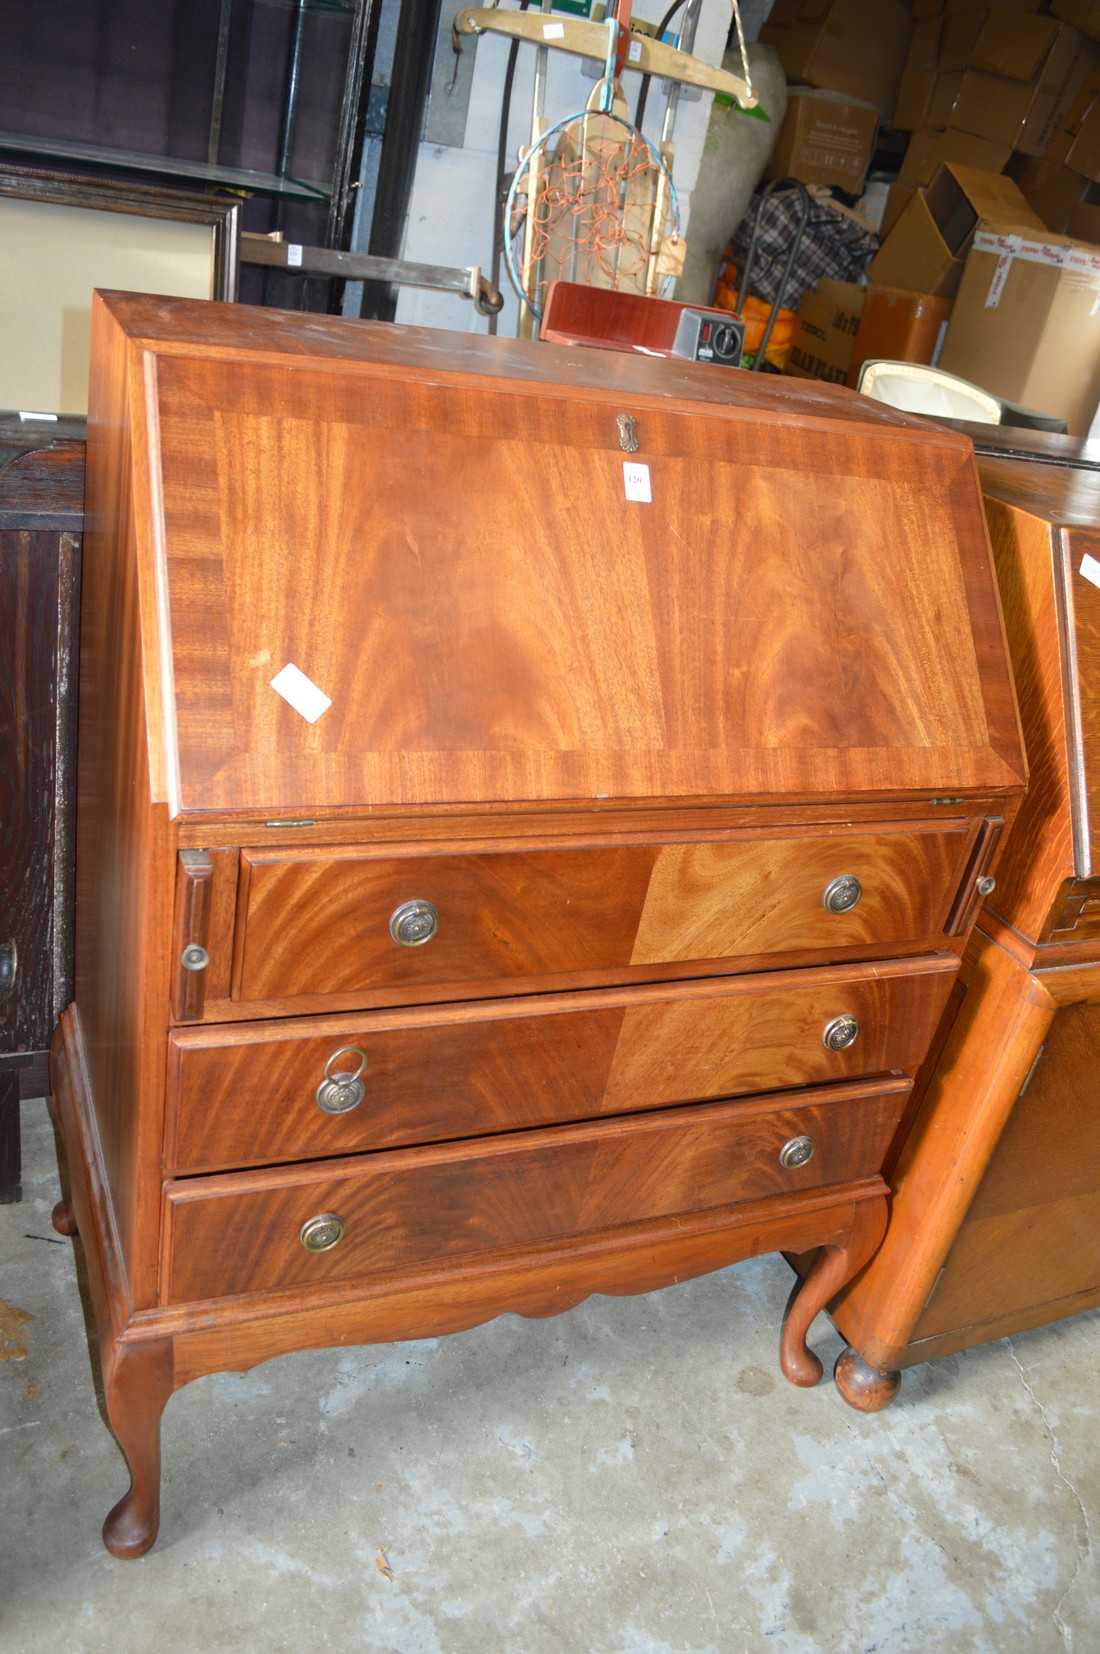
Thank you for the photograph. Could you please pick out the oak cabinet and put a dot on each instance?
(533, 805)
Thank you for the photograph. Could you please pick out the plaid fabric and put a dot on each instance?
(833, 244)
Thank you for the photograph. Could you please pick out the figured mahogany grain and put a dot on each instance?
(240, 1233)
(317, 922)
(796, 638)
(634, 682)
(248, 1096)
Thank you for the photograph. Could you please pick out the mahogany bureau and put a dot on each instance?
(996, 1189)
(532, 806)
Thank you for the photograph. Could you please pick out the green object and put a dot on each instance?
(759, 113)
(575, 8)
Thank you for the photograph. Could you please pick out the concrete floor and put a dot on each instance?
(634, 1477)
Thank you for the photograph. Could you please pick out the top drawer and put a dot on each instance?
(328, 923)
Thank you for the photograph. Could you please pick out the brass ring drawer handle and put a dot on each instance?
(343, 1089)
(414, 923)
(842, 894)
(322, 1233)
(796, 1153)
(840, 1033)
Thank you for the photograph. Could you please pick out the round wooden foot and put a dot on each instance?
(862, 1386)
(130, 1531)
(63, 1218)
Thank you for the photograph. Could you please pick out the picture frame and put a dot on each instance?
(63, 234)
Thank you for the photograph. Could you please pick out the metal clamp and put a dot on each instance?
(343, 1090)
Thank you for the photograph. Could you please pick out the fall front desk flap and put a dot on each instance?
(386, 566)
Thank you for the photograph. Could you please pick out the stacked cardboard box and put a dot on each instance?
(988, 80)
(825, 331)
(826, 138)
(854, 47)
(926, 250)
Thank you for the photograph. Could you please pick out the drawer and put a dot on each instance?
(321, 924)
(248, 1094)
(408, 1209)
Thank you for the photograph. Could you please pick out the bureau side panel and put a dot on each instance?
(124, 850)
(1039, 852)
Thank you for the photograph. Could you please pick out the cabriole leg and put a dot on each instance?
(137, 1383)
(862, 1386)
(833, 1268)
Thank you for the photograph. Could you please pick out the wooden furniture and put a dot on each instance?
(41, 518)
(579, 920)
(996, 1192)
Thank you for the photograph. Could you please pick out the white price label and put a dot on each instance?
(301, 693)
(293, 255)
(636, 479)
(553, 31)
(1090, 568)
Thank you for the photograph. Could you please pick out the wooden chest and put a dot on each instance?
(996, 1224)
(532, 807)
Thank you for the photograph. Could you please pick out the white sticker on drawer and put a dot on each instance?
(302, 693)
(1090, 568)
(636, 479)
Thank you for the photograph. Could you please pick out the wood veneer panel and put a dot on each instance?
(1081, 553)
(634, 682)
(237, 1234)
(125, 847)
(316, 923)
(1032, 1234)
(248, 1096)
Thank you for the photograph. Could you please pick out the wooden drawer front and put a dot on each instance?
(318, 923)
(248, 1095)
(415, 1207)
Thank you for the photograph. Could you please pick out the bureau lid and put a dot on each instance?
(383, 566)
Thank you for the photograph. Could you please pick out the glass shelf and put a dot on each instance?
(200, 172)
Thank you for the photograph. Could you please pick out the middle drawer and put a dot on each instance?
(255, 1094)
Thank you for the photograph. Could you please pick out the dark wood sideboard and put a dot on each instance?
(41, 522)
(995, 1223)
(533, 803)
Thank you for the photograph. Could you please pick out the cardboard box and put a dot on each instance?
(898, 199)
(1026, 323)
(1084, 153)
(897, 326)
(855, 47)
(1083, 14)
(918, 79)
(960, 29)
(926, 249)
(991, 106)
(928, 151)
(825, 331)
(825, 139)
(1050, 190)
(1013, 45)
(1084, 220)
(1067, 70)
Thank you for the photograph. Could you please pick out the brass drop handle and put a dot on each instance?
(342, 1089)
(840, 1033)
(796, 1153)
(414, 923)
(842, 894)
(322, 1233)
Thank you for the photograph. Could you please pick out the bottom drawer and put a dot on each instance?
(406, 1209)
